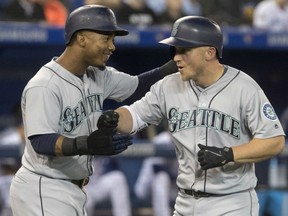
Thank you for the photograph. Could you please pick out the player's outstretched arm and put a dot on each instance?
(104, 141)
(148, 78)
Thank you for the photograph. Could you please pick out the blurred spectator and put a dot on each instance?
(271, 15)
(248, 8)
(174, 9)
(172, 13)
(135, 12)
(224, 12)
(189, 7)
(12, 135)
(24, 10)
(52, 12)
(156, 178)
(192, 7)
(108, 183)
(9, 166)
(113, 4)
(157, 6)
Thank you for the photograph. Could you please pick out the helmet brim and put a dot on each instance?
(177, 42)
(121, 32)
(117, 31)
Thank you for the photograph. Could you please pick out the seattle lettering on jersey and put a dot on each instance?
(203, 117)
(72, 117)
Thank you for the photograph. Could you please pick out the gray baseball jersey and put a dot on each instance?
(70, 106)
(230, 112)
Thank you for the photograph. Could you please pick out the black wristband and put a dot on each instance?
(75, 146)
(228, 154)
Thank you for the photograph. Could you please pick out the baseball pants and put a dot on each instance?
(237, 204)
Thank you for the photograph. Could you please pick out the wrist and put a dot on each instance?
(229, 154)
(74, 146)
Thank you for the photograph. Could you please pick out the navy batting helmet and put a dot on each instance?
(92, 17)
(195, 31)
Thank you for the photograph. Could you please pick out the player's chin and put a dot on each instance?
(184, 78)
(100, 66)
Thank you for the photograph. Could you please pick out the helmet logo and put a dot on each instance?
(175, 29)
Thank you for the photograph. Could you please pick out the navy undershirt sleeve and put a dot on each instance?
(44, 143)
(146, 80)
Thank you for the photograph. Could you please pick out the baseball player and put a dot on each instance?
(61, 105)
(155, 178)
(220, 120)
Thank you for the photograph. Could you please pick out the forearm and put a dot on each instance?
(258, 150)
(125, 123)
(100, 142)
(58, 145)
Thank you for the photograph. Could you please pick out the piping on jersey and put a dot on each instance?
(89, 158)
(209, 106)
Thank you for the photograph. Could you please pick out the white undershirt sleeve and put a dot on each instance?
(137, 124)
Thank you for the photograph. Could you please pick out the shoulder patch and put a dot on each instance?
(269, 112)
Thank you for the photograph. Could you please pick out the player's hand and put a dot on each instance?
(210, 156)
(108, 119)
(105, 141)
(121, 142)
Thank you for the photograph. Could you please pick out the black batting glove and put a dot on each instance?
(100, 142)
(106, 141)
(210, 156)
(121, 142)
(108, 119)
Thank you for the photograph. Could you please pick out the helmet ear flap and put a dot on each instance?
(172, 52)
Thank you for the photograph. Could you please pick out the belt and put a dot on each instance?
(81, 183)
(198, 194)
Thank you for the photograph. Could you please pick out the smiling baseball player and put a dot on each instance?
(61, 105)
(220, 120)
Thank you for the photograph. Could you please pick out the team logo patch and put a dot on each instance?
(269, 112)
(174, 30)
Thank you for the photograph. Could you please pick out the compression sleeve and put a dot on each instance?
(44, 143)
(147, 79)
(57, 145)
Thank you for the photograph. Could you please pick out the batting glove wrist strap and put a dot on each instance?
(210, 156)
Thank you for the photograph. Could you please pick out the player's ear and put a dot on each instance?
(80, 37)
(210, 53)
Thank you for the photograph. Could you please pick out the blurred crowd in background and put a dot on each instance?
(262, 14)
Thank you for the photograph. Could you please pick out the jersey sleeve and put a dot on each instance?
(261, 117)
(41, 117)
(151, 108)
(119, 85)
